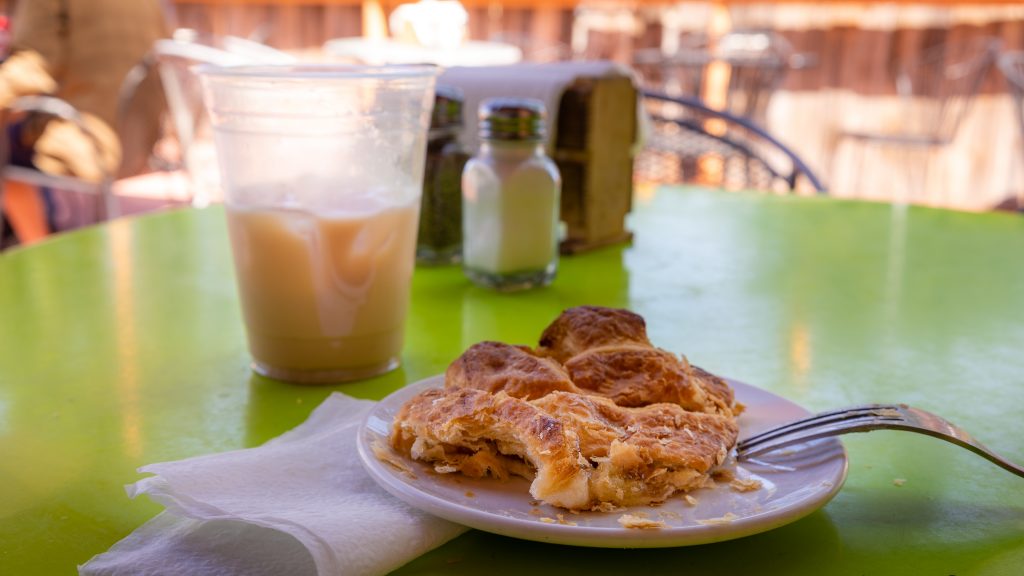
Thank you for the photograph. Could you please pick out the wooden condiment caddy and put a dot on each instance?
(597, 131)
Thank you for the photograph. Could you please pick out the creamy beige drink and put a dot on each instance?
(322, 170)
(325, 296)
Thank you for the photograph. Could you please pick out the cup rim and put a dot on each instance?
(319, 71)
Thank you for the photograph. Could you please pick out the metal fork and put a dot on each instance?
(865, 419)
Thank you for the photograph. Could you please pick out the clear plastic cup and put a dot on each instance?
(322, 168)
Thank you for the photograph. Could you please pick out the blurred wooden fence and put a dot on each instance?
(856, 46)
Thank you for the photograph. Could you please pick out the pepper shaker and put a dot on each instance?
(439, 240)
(511, 196)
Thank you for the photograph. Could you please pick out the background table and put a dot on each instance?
(123, 345)
(384, 51)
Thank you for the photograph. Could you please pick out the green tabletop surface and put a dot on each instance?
(123, 344)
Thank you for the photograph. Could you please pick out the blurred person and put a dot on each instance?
(79, 51)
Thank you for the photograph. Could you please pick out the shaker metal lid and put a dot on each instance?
(448, 102)
(512, 119)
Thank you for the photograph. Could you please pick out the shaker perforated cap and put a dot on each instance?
(447, 107)
(512, 119)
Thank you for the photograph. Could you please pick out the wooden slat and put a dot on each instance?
(562, 3)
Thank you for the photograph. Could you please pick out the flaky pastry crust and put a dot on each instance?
(480, 434)
(582, 452)
(642, 455)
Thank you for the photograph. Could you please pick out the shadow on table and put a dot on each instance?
(274, 407)
(770, 552)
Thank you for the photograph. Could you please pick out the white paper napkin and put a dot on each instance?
(299, 504)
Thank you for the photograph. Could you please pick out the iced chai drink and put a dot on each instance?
(325, 293)
(322, 169)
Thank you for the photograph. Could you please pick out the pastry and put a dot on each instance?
(596, 416)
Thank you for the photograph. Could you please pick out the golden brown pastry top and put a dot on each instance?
(642, 375)
(629, 375)
(583, 327)
(516, 370)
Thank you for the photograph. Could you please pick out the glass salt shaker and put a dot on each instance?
(439, 240)
(510, 199)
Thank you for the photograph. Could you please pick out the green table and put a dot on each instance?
(123, 344)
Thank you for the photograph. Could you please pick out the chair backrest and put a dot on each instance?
(680, 73)
(758, 62)
(1011, 64)
(176, 58)
(941, 83)
(141, 107)
(692, 143)
(57, 108)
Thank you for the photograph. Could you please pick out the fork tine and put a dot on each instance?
(860, 413)
(814, 431)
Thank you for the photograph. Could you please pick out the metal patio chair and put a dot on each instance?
(1011, 64)
(936, 92)
(133, 161)
(691, 143)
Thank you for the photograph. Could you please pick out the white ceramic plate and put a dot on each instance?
(794, 482)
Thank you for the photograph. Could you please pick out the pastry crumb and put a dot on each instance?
(727, 518)
(547, 520)
(386, 454)
(535, 512)
(470, 494)
(899, 481)
(563, 521)
(604, 507)
(690, 499)
(640, 522)
(745, 484)
(723, 475)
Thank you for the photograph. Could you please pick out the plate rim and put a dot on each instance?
(588, 536)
